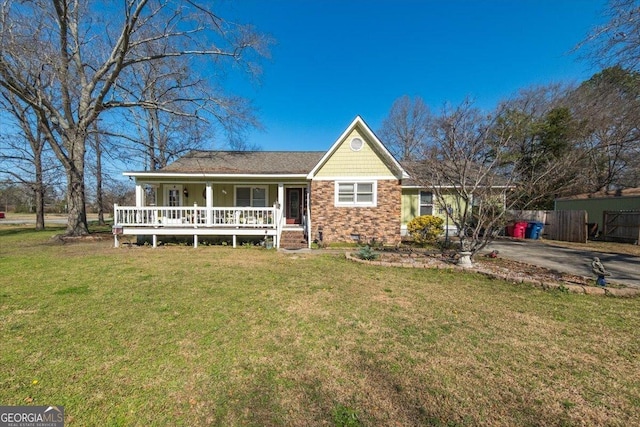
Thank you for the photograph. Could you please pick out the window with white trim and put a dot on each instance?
(356, 193)
(251, 196)
(426, 203)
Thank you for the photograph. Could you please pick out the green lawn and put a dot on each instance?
(221, 336)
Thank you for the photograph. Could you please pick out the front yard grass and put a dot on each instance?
(246, 336)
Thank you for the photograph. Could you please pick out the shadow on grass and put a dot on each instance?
(16, 230)
(272, 397)
(429, 401)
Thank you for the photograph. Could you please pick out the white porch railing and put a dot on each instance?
(195, 216)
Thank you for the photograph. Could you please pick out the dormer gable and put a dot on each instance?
(358, 153)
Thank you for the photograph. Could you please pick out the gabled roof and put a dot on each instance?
(377, 146)
(212, 163)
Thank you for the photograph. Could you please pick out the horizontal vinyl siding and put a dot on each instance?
(348, 163)
(410, 205)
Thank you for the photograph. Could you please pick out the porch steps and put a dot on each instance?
(292, 239)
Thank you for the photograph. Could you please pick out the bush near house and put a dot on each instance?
(425, 229)
(367, 253)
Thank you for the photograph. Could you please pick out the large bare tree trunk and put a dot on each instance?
(77, 213)
(74, 167)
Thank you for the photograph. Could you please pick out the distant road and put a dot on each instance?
(17, 219)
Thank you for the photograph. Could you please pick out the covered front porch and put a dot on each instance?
(197, 221)
(206, 209)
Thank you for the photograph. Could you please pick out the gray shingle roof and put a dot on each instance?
(421, 174)
(246, 162)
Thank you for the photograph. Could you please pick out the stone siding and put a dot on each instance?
(342, 224)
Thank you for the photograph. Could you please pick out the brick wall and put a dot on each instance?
(340, 223)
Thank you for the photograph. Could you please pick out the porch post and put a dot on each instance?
(209, 201)
(139, 200)
(280, 201)
(116, 244)
(139, 195)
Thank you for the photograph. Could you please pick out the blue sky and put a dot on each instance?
(335, 59)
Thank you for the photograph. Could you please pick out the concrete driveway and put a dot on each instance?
(625, 269)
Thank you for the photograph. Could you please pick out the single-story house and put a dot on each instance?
(355, 191)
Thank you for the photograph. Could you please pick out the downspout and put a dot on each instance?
(308, 215)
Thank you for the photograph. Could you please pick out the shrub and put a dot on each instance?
(425, 229)
(367, 253)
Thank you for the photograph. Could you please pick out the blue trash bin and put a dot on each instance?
(534, 229)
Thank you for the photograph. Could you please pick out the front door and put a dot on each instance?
(293, 202)
(174, 200)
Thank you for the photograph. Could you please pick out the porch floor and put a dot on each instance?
(196, 232)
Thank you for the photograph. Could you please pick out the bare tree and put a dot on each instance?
(96, 144)
(404, 131)
(180, 112)
(64, 59)
(472, 163)
(115, 191)
(609, 100)
(543, 158)
(24, 156)
(608, 105)
(462, 161)
(617, 41)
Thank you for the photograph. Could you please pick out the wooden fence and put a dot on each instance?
(621, 226)
(568, 226)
